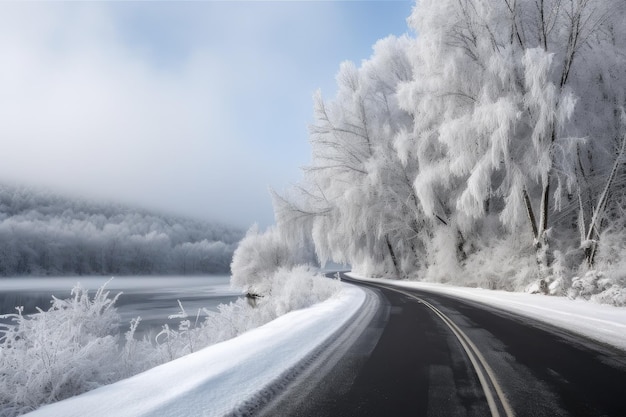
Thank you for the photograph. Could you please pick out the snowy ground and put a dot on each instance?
(218, 379)
(600, 322)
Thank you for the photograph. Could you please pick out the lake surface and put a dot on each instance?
(152, 298)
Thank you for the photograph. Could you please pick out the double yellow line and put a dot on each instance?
(498, 404)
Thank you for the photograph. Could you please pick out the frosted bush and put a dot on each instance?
(444, 265)
(58, 353)
(74, 346)
(558, 287)
(614, 295)
(595, 286)
(288, 289)
(611, 248)
(257, 257)
(504, 264)
(296, 288)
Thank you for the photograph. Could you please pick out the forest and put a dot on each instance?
(42, 233)
(485, 148)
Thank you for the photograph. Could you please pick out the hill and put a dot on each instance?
(42, 233)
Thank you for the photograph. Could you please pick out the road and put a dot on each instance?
(426, 354)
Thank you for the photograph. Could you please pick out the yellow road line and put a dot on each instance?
(475, 358)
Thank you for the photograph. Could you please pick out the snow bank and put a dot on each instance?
(219, 378)
(604, 323)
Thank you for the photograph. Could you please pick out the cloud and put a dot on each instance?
(188, 107)
(81, 111)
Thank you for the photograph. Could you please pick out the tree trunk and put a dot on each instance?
(543, 222)
(460, 246)
(593, 231)
(393, 257)
(531, 216)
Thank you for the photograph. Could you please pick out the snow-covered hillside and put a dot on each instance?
(42, 233)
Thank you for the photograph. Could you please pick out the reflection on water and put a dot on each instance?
(152, 298)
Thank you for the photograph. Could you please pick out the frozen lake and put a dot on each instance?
(152, 298)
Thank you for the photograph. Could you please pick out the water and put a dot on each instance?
(152, 298)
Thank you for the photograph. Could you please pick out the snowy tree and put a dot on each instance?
(259, 256)
(496, 132)
(357, 199)
(495, 99)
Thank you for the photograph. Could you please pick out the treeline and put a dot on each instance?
(46, 234)
(486, 150)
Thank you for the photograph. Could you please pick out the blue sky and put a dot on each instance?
(195, 108)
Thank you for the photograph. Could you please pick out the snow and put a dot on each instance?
(600, 322)
(216, 380)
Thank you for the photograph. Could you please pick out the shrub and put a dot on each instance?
(55, 354)
(74, 346)
(260, 255)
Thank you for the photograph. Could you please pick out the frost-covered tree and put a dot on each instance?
(260, 255)
(500, 102)
(495, 132)
(357, 200)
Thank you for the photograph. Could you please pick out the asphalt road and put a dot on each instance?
(425, 354)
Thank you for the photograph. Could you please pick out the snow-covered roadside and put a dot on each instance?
(217, 379)
(601, 322)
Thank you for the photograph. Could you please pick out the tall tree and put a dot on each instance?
(494, 98)
(357, 196)
(499, 117)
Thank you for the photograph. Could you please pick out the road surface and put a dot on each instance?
(426, 354)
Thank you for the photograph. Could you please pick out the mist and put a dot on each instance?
(188, 108)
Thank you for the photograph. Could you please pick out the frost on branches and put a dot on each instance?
(274, 273)
(51, 355)
(487, 150)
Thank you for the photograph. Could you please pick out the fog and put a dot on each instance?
(192, 108)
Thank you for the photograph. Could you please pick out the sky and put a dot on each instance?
(190, 108)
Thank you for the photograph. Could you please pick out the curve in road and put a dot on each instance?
(427, 354)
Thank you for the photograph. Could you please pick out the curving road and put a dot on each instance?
(426, 354)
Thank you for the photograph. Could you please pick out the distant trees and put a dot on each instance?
(43, 234)
(499, 124)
